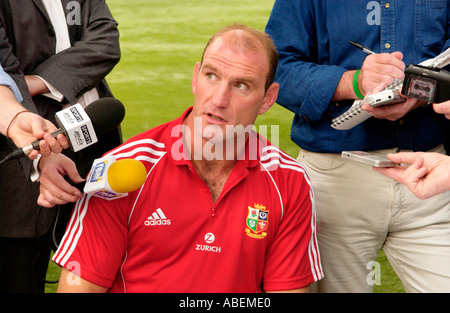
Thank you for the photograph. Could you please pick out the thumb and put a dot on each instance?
(40, 126)
(398, 55)
(404, 157)
(74, 176)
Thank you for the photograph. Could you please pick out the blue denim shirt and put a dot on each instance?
(6, 80)
(312, 38)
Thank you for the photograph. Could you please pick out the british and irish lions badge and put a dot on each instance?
(257, 221)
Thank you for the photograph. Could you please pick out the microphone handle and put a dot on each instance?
(35, 144)
(20, 152)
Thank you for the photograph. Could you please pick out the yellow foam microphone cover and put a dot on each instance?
(126, 175)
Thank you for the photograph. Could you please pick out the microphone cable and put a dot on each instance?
(39, 243)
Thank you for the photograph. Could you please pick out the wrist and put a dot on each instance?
(36, 85)
(344, 89)
(13, 120)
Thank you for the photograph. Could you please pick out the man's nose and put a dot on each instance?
(221, 97)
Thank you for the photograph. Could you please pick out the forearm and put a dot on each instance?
(97, 49)
(10, 107)
(344, 89)
(36, 85)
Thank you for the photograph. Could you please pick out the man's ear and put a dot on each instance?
(269, 98)
(194, 76)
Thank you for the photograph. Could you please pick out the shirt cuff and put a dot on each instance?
(35, 175)
(54, 93)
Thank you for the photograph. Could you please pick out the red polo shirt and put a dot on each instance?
(169, 236)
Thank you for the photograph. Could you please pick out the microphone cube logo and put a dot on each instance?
(98, 172)
(86, 134)
(78, 127)
(97, 183)
(78, 138)
(76, 114)
(69, 118)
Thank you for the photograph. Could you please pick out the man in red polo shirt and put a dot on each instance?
(221, 210)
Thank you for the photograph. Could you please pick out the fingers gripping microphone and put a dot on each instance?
(81, 126)
(110, 179)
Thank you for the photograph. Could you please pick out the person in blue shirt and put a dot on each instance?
(360, 211)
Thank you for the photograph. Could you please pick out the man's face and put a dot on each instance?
(229, 87)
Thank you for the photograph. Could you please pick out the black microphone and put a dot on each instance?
(105, 115)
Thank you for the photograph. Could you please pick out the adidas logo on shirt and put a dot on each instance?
(157, 218)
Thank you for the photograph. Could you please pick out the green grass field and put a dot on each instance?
(160, 41)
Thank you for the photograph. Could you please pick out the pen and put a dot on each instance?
(362, 47)
(397, 81)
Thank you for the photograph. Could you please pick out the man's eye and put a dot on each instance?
(211, 76)
(242, 86)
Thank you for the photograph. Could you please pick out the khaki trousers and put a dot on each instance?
(360, 211)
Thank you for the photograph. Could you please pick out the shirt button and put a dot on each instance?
(387, 46)
(386, 5)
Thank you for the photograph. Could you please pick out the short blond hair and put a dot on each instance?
(251, 39)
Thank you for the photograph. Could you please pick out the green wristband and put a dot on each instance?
(355, 85)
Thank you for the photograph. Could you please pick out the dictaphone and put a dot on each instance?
(425, 83)
(384, 97)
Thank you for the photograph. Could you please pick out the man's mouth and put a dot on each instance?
(215, 117)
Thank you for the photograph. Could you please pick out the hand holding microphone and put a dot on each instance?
(54, 188)
(81, 126)
(27, 126)
(105, 115)
(108, 179)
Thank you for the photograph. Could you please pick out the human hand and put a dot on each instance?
(28, 127)
(442, 108)
(54, 189)
(380, 68)
(391, 112)
(427, 176)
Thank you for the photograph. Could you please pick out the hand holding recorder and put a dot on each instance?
(427, 175)
(389, 104)
(424, 83)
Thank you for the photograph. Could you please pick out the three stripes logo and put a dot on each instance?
(157, 218)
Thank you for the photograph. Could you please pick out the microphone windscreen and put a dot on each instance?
(105, 114)
(126, 175)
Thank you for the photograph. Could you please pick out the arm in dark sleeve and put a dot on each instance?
(82, 66)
